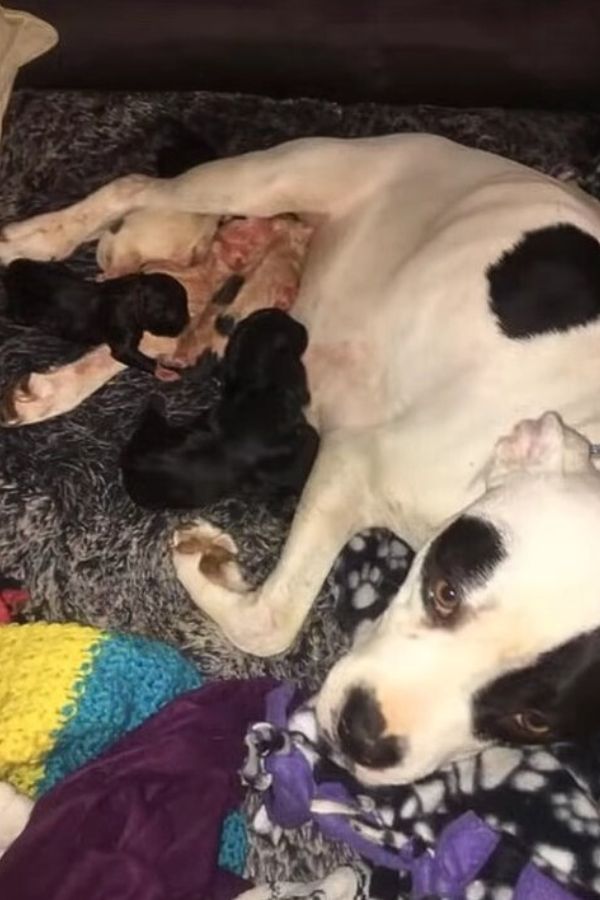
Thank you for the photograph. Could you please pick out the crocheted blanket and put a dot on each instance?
(71, 691)
(70, 532)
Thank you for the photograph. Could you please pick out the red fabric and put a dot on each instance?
(10, 600)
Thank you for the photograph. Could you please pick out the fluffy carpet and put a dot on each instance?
(69, 531)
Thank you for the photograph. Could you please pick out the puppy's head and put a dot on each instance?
(265, 350)
(164, 308)
(495, 635)
(265, 384)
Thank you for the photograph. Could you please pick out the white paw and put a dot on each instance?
(543, 445)
(212, 551)
(204, 561)
(44, 237)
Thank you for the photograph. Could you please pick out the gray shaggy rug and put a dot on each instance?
(69, 531)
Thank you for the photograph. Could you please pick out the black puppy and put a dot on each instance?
(53, 299)
(255, 440)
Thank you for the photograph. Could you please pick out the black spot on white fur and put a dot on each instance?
(361, 730)
(548, 282)
(465, 554)
(562, 685)
(229, 290)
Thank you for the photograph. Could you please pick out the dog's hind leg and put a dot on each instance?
(338, 501)
(311, 175)
(43, 395)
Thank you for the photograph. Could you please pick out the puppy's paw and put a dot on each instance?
(175, 361)
(180, 359)
(165, 373)
(213, 553)
(544, 445)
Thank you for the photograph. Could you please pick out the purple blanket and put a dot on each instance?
(144, 819)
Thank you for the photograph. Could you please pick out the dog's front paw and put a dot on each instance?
(212, 552)
(204, 558)
(43, 237)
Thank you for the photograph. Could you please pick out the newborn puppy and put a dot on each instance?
(256, 440)
(50, 297)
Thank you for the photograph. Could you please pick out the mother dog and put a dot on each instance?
(449, 294)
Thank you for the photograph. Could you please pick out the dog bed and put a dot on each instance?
(70, 532)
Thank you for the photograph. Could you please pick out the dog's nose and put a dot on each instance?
(360, 731)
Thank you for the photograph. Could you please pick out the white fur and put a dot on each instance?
(412, 385)
(144, 235)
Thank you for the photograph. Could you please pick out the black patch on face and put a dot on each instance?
(548, 282)
(361, 729)
(464, 556)
(563, 686)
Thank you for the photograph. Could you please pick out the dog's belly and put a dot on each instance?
(433, 458)
(346, 389)
(397, 305)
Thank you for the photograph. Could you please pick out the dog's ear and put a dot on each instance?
(540, 446)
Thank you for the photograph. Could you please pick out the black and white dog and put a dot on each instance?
(449, 294)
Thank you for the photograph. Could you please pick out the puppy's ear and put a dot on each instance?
(293, 336)
(540, 446)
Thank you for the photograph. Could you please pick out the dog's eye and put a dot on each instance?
(443, 598)
(532, 723)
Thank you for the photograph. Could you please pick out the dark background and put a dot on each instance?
(525, 53)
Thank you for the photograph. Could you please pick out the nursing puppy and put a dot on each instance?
(256, 439)
(50, 297)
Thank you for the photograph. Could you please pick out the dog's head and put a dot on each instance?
(495, 634)
(163, 303)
